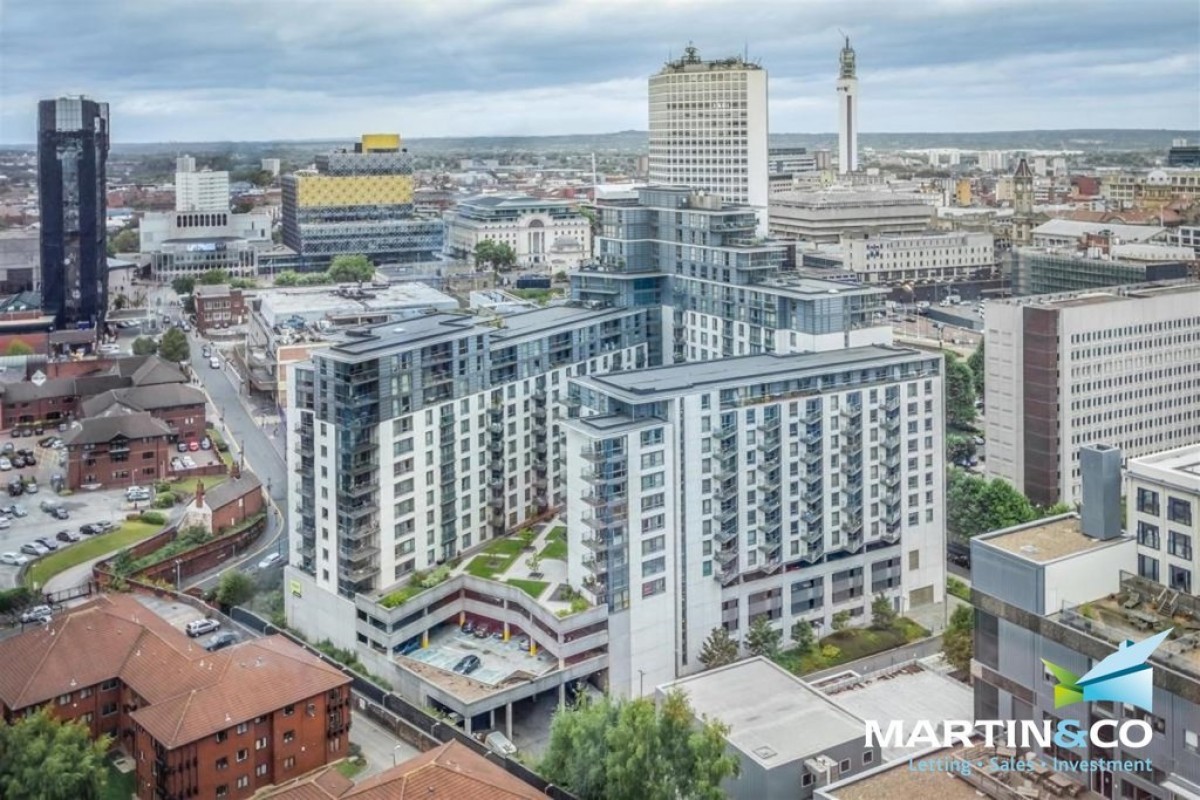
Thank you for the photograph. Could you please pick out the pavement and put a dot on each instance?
(381, 749)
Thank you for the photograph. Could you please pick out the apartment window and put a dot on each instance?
(654, 566)
(1180, 545)
(289, 762)
(289, 710)
(260, 770)
(914, 559)
(1148, 567)
(1180, 579)
(1179, 511)
(223, 790)
(1147, 501)
(652, 437)
(222, 736)
(806, 779)
(1191, 741)
(261, 743)
(242, 755)
(108, 709)
(243, 782)
(108, 686)
(654, 545)
(868, 757)
(222, 763)
(653, 481)
(64, 699)
(651, 460)
(289, 737)
(844, 767)
(651, 588)
(1147, 535)
(243, 727)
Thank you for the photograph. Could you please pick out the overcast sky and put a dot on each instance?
(179, 70)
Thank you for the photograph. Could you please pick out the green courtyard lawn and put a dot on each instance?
(120, 785)
(556, 544)
(532, 588)
(90, 548)
(497, 557)
(851, 644)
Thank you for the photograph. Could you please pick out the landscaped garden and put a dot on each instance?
(845, 644)
(532, 588)
(129, 533)
(556, 544)
(496, 558)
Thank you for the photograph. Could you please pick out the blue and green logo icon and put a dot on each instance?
(1123, 677)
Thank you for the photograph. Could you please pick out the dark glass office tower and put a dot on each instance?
(72, 153)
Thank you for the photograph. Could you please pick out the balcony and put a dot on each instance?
(892, 461)
(357, 556)
(812, 458)
(811, 437)
(495, 502)
(496, 429)
(724, 574)
(357, 490)
(597, 544)
(539, 429)
(811, 418)
(357, 574)
(604, 522)
(811, 515)
(360, 533)
(539, 413)
(891, 515)
(726, 535)
(496, 446)
(604, 499)
(851, 523)
(852, 438)
(726, 491)
(540, 482)
(726, 514)
(725, 557)
(891, 405)
(539, 395)
(891, 533)
(768, 425)
(359, 510)
(849, 411)
(723, 435)
(596, 455)
(600, 476)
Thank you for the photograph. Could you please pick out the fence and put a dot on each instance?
(409, 722)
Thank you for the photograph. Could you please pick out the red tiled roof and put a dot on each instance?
(450, 772)
(192, 693)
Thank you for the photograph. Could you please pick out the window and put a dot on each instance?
(222, 736)
(651, 460)
(289, 762)
(260, 770)
(242, 755)
(1147, 501)
(289, 710)
(1191, 741)
(223, 790)
(261, 743)
(1180, 579)
(868, 757)
(1148, 567)
(289, 737)
(108, 686)
(844, 767)
(652, 588)
(222, 763)
(1147, 535)
(914, 559)
(652, 437)
(243, 727)
(654, 566)
(806, 779)
(1179, 511)
(63, 699)
(1180, 545)
(108, 709)
(243, 782)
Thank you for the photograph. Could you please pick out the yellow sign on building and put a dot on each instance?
(380, 141)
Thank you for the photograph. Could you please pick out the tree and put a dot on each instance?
(763, 638)
(959, 447)
(718, 649)
(351, 269)
(977, 365)
(841, 620)
(127, 241)
(144, 346)
(16, 600)
(484, 254)
(534, 563)
(960, 393)
(42, 758)
(243, 283)
(235, 588)
(803, 637)
(630, 750)
(883, 614)
(119, 302)
(18, 348)
(976, 505)
(957, 639)
(313, 279)
(287, 278)
(214, 277)
(184, 285)
(174, 345)
(495, 255)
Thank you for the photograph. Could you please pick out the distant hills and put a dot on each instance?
(635, 141)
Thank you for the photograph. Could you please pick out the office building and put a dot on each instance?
(715, 290)
(1036, 271)
(787, 737)
(1119, 366)
(847, 90)
(1183, 154)
(73, 140)
(416, 441)
(545, 234)
(189, 243)
(1162, 493)
(1182, 236)
(1151, 190)
(919, 258)
(194, 723)
(786, 160)
(200, 190)
(1059, 590)
(1070, 233)
(358, 202)
(826, 216)
(708, 128)
(795, 486)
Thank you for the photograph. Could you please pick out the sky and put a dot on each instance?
(221, 70)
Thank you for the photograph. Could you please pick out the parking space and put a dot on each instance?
(499, 660)
(178, 615)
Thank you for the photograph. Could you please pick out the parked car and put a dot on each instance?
(30, 460)
(60, 513)
(182, 447)
(48, 505)
(468, 626)
(15, 559)
(103, 526)
(269, 560)
(206, 443)
(411, 646)
(193, 445)
(16, 488)
(199, 627)
(221, 640)
(37, 430)
(5, 464)
(5, 522)
(207, 352)
(46, 441)
(482, 632)
(37, 614)
(468, 664)
(15, 510)
(47, 542)
(88, 530)
(214, 363)
(67, 536)
(34, 549)
(9, 447)
(31, 486)
(980, 441)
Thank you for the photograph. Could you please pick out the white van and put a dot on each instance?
(214, 362)
(499, 744)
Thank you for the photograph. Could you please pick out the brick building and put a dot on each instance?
(125, 449)
(198, 724)
(180, 406)
(218, 307)
(57, 399)
(229, 503)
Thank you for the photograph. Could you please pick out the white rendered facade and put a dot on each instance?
(708, 129)
(847, 90)
(1162, 502)
(202, 190)
(189, 243)
(792, 486)
(544, 233)
(919, 257)
(1119, 367)
(826, 216)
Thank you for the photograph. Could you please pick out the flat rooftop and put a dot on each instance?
(838, 199)
(311, 303)
(1115, 294)
(1185, 460)
(644, 385)
(774, 717)
(1045, 540)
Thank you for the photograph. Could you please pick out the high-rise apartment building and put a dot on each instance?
(1163, 508)
(795, 487)
(200, 190)
(72, 154)
(715, 290)
(415, 441)
(358, 202)
(1117, 366)
(847, 90)
(708, 128)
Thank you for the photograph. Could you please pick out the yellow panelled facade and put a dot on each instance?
(380, 141)
(353, 190)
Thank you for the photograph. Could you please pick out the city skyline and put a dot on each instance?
(223, 71)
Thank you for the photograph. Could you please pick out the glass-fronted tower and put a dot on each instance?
(72, 153)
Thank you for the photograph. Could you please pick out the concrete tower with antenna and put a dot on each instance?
(847, 90)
